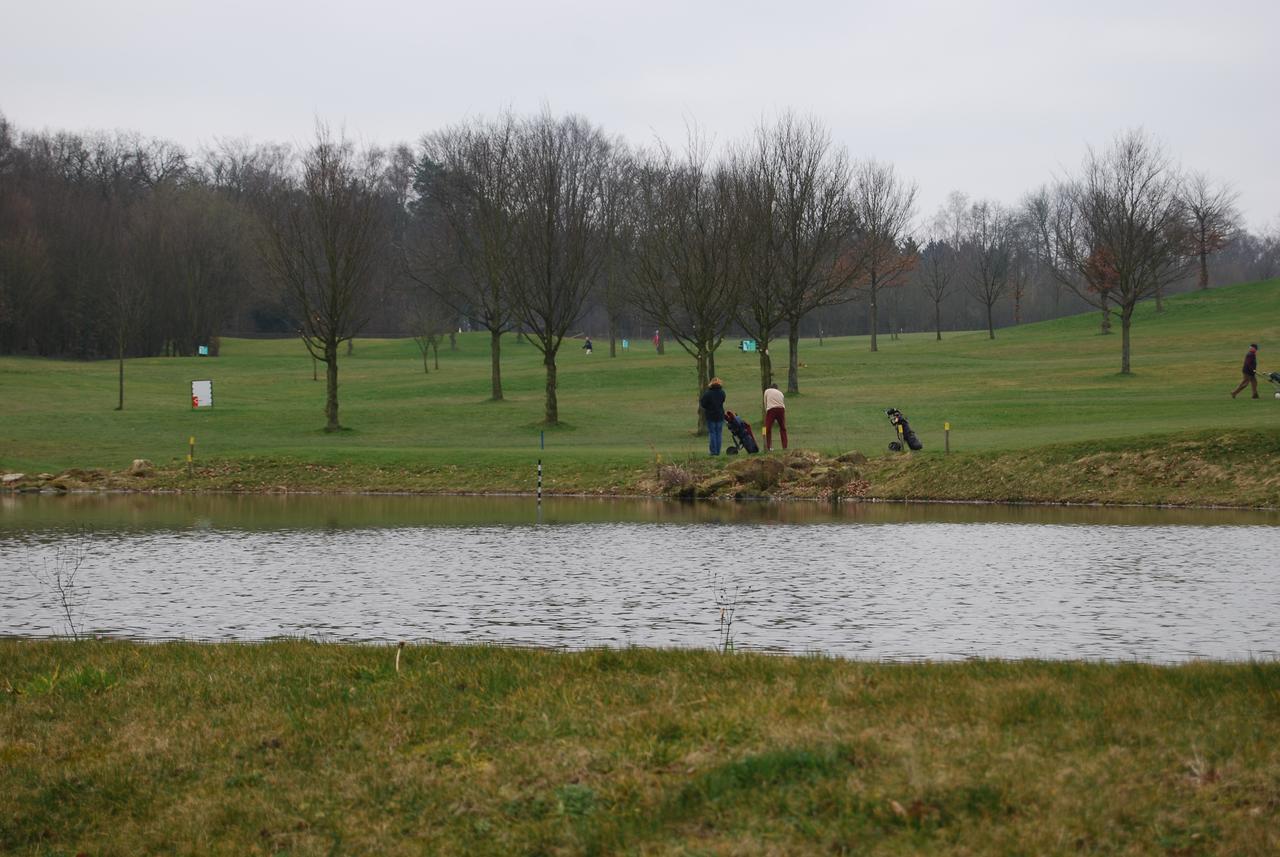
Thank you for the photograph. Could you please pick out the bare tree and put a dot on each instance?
(682, 268)
(816, 225)
(324, 243)
(617, 186)
(125, 303)
(883, 207)
(1119, 231)
(988, 245)
(464, 247)
(755, 172)
(1215, 220)
(429, 322)
(936, 274)
(1023, 261)
(558, 230)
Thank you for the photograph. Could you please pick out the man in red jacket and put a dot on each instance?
(1250, 372)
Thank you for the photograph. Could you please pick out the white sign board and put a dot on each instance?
(202, 394)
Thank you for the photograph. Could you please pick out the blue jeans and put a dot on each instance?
(715, 429)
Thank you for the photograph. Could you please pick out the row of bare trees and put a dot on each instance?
(112, 245)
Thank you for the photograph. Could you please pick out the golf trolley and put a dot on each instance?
(903, 429)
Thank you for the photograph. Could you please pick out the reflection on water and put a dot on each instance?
(878, 581)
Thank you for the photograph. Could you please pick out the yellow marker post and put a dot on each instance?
(191, 456)
(946, 433)
(902, 444)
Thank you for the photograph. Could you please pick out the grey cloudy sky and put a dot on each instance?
(986, 97)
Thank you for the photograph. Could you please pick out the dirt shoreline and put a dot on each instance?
(1203, 471)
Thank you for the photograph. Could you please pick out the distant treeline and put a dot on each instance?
(112, 243)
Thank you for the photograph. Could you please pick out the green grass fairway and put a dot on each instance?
(1034, 385)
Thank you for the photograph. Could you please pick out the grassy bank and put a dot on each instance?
(1047, 392)
(299, 748)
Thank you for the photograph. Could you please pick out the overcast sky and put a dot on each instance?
(990, 98)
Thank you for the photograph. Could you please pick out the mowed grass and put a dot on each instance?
(114, 748)
(1034, 385)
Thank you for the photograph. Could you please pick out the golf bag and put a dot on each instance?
(896, 419)
(1274, 378)
(740, 431)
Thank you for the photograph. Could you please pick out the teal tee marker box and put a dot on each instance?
(747, 345)
(203, 350)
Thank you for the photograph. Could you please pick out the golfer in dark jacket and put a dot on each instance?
(1250, 372)
(712, 404)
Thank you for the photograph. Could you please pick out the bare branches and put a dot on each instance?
(463, 250)
(816, 223)
(1117, 232)
(988, 248)
(61, 575)
(1211, 208)
(324, 243)
(558, 230)
(682, 267)
(883, 206)
(936, 274)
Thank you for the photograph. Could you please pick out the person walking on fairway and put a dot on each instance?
(586, 346)
(1250, 372)
(775, 411)
(712, 404)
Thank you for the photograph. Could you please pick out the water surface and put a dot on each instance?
(871, 580)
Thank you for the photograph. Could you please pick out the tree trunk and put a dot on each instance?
(766, 366)
(425, 370)
(435, 351)
(351, 346)
(495, 362)
(1106, 315)
(937, 318)
(453, 340)
(120, 355)
(553, 411)
(793, 355)
(613, 339)
(875, 318)
(1204, 270)
(704, 378)
(711, 364)
(331, 387)
(1126, 317)
(991, 324)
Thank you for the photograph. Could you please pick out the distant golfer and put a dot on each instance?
(775, 411)
(712, 404)
(586, 346)
(1250, 372)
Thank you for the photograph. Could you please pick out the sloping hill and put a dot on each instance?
(1039, 384)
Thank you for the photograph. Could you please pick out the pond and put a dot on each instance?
(881, 581)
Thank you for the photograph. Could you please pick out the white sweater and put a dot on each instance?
(773, 399)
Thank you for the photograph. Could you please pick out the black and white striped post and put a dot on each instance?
(539, 481)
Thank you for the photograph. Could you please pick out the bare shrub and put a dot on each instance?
(675, 479)
(60, 574)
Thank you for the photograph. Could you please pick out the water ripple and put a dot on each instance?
(889, 591)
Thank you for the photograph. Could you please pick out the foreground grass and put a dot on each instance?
(1037, 386)
(301, 748)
